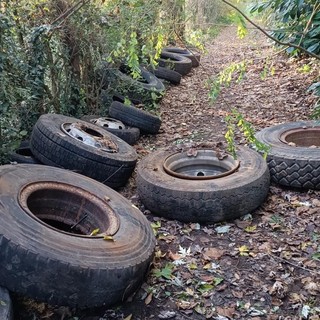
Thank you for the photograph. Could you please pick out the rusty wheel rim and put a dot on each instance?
(204, 166)
(88, 135)
(69, 209)
(302, 137)
(109, 123)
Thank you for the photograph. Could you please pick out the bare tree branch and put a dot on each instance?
(288, 44)
(306, 29)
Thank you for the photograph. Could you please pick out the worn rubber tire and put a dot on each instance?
(54, 147)
(204, 201)
(60, 268)
(128, 134)
(135, 117)
(297, 167)
(172, 76)
(192, 55)
(6, 310)
(149, 90)
(150, 81)
(176, 62)
(23, 155)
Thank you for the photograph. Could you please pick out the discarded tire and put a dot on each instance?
(192, 55)
(128, 134)
(146, 89)
(168, 186)
(23, 155)
(172, 76)
(176, 62)
(6, 312)
(69, 240)
(148, 80)
(135, 117)
(294, 156)
(82, 147)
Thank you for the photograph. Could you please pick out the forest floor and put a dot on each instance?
(264, 265)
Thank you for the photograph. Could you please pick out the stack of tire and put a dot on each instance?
(175, 62)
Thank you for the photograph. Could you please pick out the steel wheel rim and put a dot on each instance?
(204, 166)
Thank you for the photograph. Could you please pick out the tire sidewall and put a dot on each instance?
(206, 201)
(271, 137)
(54, 122)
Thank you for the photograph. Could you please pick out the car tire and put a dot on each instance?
(23, 155)
(128, 134)
(176, 62)
(166, 74)
(132, 116)
(55, 147)
(192, 55)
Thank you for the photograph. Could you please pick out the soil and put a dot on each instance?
(264, 265)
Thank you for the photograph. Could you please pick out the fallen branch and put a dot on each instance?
(288, 44)
(293, 264)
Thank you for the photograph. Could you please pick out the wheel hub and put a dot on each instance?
(89, 136)
(108, 123)
(204, 166)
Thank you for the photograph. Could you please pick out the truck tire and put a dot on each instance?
(205, 201)
(66, 239)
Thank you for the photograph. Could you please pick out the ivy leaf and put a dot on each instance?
(205, 287)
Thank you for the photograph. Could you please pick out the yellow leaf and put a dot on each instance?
(95, 232)
(192, 266)
(207, 266)
(243, 251)
(250, 228)
(108, 238)
(129, 317)
(159, 254)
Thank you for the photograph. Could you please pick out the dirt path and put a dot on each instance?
(276, 277)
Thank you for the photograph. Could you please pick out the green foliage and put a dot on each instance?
(48, 60)
(295, 21)
(234, 71)
(166, 272)
(236, 121)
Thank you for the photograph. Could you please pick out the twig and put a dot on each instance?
(305, 31)
(65, 15)
(288, 44)
(293, 264)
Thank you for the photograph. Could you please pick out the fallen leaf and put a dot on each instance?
(148, 299)
(213, 253)
(227, 312)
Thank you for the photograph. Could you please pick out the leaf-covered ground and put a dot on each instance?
(262, 266)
